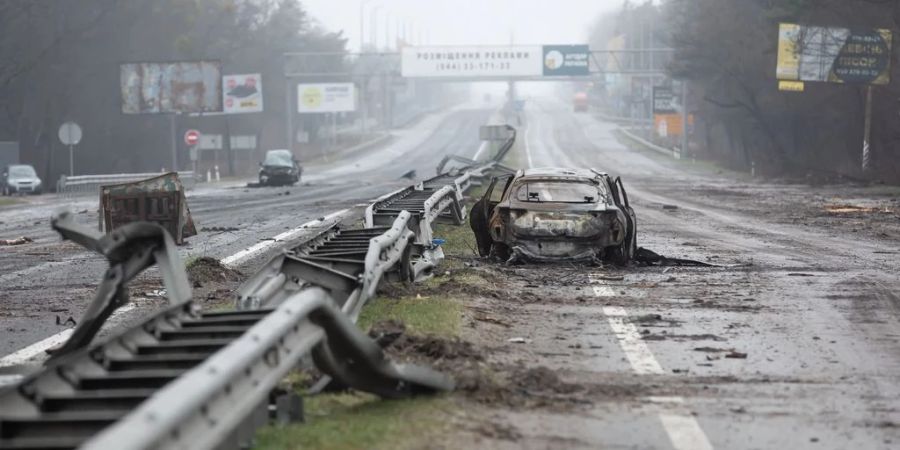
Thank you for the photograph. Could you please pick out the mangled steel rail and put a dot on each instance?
(186, 379)
(348, 263)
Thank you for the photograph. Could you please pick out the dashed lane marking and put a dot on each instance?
(682, 428)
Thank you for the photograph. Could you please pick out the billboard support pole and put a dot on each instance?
(684, 118)
(174, 141)
(71, 160)
(867, 133)
(289, 114)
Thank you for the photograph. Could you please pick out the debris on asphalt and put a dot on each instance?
(517, 340)
(736, 355)
(670, 207)
(219, 229)
(409, 175)
(610, 277)
(798, 274)
(493, 320)
(206, 269)
(17, 241)
(69, 321)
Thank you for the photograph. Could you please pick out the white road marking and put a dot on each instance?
(528, 146)
(24, 355)
(38, 348)
(683, 429)
(258, 248)
(481, 149)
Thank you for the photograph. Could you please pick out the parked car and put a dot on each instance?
(555, 214)
(279, 168)
(20, 178)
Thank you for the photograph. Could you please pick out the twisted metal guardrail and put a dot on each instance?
(90, 184)
(188, 379)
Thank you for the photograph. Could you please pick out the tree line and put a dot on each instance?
(59, 60)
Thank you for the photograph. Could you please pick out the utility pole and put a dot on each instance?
(684, 118)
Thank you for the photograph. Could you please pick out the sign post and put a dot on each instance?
(191, 139)
(70, 134)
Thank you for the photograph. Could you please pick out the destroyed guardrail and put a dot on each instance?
(349, 263)
(187, 379)
(90, 184)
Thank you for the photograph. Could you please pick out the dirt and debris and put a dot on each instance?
(219, 229)
(16, 241)
(205, 269)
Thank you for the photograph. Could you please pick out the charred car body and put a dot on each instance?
(554, 214)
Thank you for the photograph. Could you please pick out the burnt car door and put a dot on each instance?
(631, 234)
(480, 214)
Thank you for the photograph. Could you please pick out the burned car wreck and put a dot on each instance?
(555, 214)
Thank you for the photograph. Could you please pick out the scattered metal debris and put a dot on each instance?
(158, 200)
(17, 241)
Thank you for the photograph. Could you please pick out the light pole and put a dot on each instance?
(362, 23)
(373, 25)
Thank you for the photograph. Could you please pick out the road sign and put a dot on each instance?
(472, 61)
(326, 98)
(791, 86)
(191, 137)
(70, 133)
(664, 101)
(566, 60)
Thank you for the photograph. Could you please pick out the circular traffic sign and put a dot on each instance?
(70, 133)
(191, 137)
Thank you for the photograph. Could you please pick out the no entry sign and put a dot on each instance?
(191, 137)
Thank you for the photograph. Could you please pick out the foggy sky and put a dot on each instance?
(446, 22)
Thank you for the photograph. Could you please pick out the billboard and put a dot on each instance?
(171, 87)
(242, 93)
(835, 55)
(473, 61)
(326, 98)
(566, 60)
(664, 100)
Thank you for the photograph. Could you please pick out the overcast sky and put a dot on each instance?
(465, 21)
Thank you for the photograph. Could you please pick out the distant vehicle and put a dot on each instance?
(554, 214)
(20, 179)
(580, 102)
(279, 168)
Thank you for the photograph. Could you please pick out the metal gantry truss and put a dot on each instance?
(188, 379)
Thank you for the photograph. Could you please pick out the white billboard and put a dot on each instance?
(473, 61)
(326, 98)
(834, 55)
(171, 87)
(242, 93)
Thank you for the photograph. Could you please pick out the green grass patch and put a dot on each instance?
(6, 201)
(460, 240)
(438, 316)
(360, 421)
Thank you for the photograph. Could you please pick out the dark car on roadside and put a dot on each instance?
(20, 179)
(554, 215)
(279, 168)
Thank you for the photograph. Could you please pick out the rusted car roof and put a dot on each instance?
(539, 172)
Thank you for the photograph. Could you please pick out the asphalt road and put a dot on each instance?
(794, 345)
(48, 279)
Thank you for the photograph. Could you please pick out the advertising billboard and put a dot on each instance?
(566, 60)
(473, 61)
(497, 61)
(171, 87)
(835, 55)
(326, 98)
(242, 93)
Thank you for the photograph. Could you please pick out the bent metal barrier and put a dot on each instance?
(194, 380)
(189, 379)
